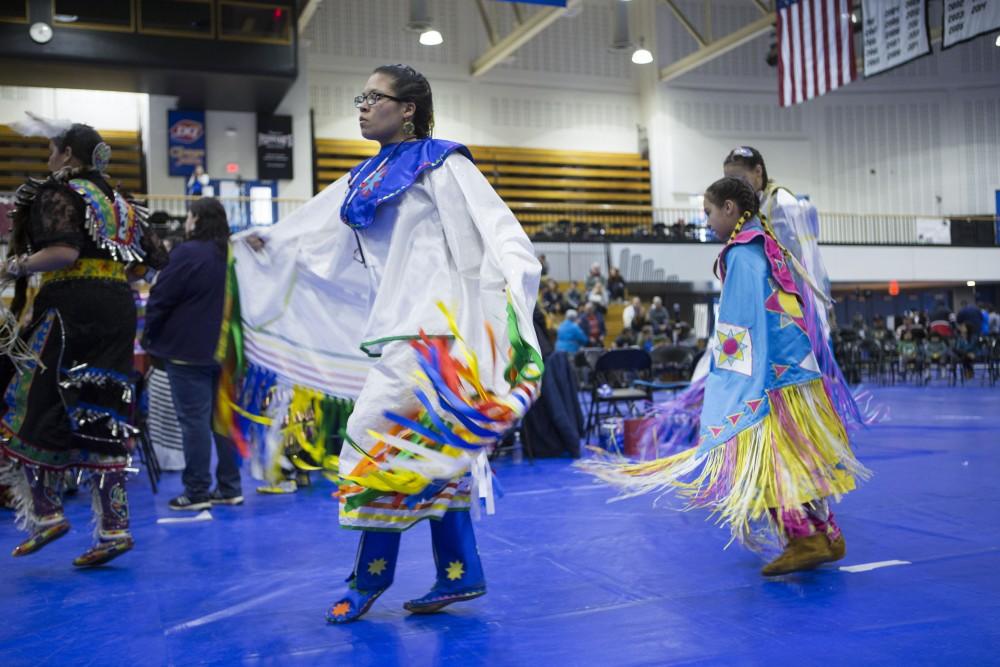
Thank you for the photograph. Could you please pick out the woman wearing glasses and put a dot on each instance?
(333, 302)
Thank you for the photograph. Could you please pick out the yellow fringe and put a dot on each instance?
(771, 466)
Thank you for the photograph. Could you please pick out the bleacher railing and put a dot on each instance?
(637, 223)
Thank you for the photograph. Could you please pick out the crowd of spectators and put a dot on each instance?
(584, 311)
(924, 340)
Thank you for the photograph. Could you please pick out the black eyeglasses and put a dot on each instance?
(371, 99)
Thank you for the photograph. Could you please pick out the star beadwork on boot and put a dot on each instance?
(341, 609)
(455, 570)
(377, 566)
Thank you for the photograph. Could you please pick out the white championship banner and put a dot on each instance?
(895, 33)
(965, 19)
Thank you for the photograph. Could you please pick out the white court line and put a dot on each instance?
(203, 515)
(227, 612)
(867, 567)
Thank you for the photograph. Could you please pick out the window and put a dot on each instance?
(181, 18)
(14, 11)
(254, 22)
(94, 14)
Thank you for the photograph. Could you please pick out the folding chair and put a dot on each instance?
(617, 370)
(145, 445)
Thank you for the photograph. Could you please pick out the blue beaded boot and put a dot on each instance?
(374, 568)
(459, 570)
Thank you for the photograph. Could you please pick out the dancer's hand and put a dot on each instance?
(255, 242)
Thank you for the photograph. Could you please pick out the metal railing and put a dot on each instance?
(624, 223)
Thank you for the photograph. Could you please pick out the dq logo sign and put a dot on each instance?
(186, 131)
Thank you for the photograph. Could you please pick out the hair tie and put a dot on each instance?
(101, 156)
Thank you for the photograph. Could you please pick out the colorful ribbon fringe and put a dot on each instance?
(797, 454)
(459, 424)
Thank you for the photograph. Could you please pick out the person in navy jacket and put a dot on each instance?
(183, 318)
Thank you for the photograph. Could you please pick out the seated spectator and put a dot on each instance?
(631, 310)
(685, 336)
(678, 229)
(639, 319)
(940, 320)
(545, 264)
(658, 316)
(599, 298)
(616, 285)
(626, 338)
(994, 321)
(573, 296)
(970, 315)
(909, 350)
(906, 324)
(593, 277)
(911, 354)
(552, 299)
(879, 330)
(646, 338)
(569, 336)
(859, 326)
(965, 349)
(937, 349)
(592, 324)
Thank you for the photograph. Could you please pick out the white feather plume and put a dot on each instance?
(36, 126)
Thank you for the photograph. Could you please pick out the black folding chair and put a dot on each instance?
(614, 375)
(144, 444)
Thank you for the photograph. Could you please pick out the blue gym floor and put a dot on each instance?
(572, 580)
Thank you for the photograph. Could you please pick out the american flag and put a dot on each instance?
(815, 48)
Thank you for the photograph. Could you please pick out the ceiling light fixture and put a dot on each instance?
(420, 21)
(431, 37)
(642, 55)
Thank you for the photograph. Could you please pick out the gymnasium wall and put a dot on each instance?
(920, 139)
(923, 138)
(562, 90)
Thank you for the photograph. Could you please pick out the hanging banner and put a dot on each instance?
(933, 231)
(965, 19)
(274, 147)
(997, 221)
(185, 141)
(895, 33)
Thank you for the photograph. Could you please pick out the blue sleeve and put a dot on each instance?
(578, 335)
(169, 290)
(740, 347)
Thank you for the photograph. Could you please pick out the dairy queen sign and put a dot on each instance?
(185, 141)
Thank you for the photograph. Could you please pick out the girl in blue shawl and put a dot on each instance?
(771, 447)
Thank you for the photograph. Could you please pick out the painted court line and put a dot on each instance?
(227, 612)
(867, 567)
(203, 515)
